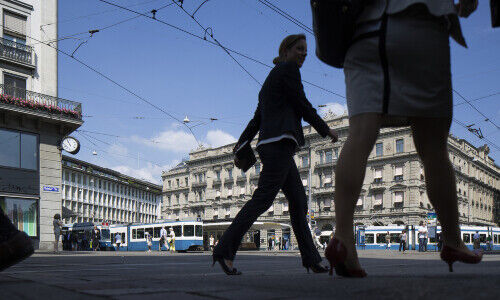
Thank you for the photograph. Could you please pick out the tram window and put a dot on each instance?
(482, 238)
(199, 230)
(369, 238)
(177, 230)
(134, 233)
(497, 239)
(466, 238)
(395, 238)
(188, 230)
(381, 238)
(156, 232)
(140, 233)
(150, 230)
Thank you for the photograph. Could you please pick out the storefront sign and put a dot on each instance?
(47, 188)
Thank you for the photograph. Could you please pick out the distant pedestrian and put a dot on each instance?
(402, 241)
(422, 236)
(148, 240)
(118, 240)
(477, 240)
(163, 239)
(439, 241)
(211, 242)
(57, 231)
(388, 241)
(96, 236)
(489, 242)
(171, 239)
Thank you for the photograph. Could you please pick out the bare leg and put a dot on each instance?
(350, 173)
(430, 136)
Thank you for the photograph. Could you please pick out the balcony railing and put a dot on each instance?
(326, 164)
(39, 102)
(16, 51)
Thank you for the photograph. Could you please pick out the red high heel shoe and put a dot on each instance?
(451, 255)
(336, 253)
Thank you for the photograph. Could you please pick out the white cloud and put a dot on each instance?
(149, 172)
(336, 108)
(217, 138)
(180, 141)
(177, 141)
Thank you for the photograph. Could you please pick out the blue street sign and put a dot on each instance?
(50, 188)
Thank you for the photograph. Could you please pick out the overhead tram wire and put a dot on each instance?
(475, 108)
(205, 29)
(86, 136)
(488, 141)
(287, 16)
(215, 44)
(117, 84)
(100, 29)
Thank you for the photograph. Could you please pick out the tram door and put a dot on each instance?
(256, 238)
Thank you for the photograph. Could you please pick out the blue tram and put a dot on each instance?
(188, 235)
(373, 237)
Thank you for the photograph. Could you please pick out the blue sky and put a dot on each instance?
(186, 76)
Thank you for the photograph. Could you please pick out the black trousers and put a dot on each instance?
(402, 245)
(279, 172)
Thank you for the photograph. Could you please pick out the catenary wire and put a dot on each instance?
(117, 84)
(215, 44)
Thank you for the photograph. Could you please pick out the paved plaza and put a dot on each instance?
(266, 275)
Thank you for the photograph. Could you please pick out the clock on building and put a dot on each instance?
(70, 145)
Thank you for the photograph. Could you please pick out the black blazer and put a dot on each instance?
(282, 106)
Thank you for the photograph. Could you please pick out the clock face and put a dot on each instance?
(71, 145)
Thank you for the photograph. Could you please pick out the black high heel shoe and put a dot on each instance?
(317, 268)
(225, 268)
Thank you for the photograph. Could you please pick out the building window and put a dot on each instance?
(230, 173)
(23, 213)
(18, 150)
(321, 157)
(14, 86)
(257, 169)
(377, 200)
(328, 156)
(379, 149)
(177, 181)
(398, 199)
(305, 161)
(400, 146)
(328, 180)
(217, 175)
(377, 175)
(336, 153)
(398, 173)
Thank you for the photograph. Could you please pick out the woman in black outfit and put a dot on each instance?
(281, 108)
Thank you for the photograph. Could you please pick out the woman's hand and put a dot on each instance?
(333, 135)
(466, 7)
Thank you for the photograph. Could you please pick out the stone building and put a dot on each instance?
(33, 120)
(209, 186)
(95, 194)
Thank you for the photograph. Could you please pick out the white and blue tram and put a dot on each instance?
(374, 237)
(188, 235)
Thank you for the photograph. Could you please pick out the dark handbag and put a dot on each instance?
(495, 13)
(334, 23)
(246, 158)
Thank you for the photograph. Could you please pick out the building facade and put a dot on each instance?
(33, 120)
(209, 186)
(95, 194)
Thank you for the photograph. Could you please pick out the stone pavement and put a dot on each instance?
(266, 275)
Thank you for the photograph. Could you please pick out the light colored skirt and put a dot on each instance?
(409, 76)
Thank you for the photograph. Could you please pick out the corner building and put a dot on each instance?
(33, 119)
(209, 186)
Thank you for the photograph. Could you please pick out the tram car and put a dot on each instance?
(373, 237)
(188, 236)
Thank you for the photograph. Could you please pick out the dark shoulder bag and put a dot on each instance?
(334, 24)
(246, 158)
